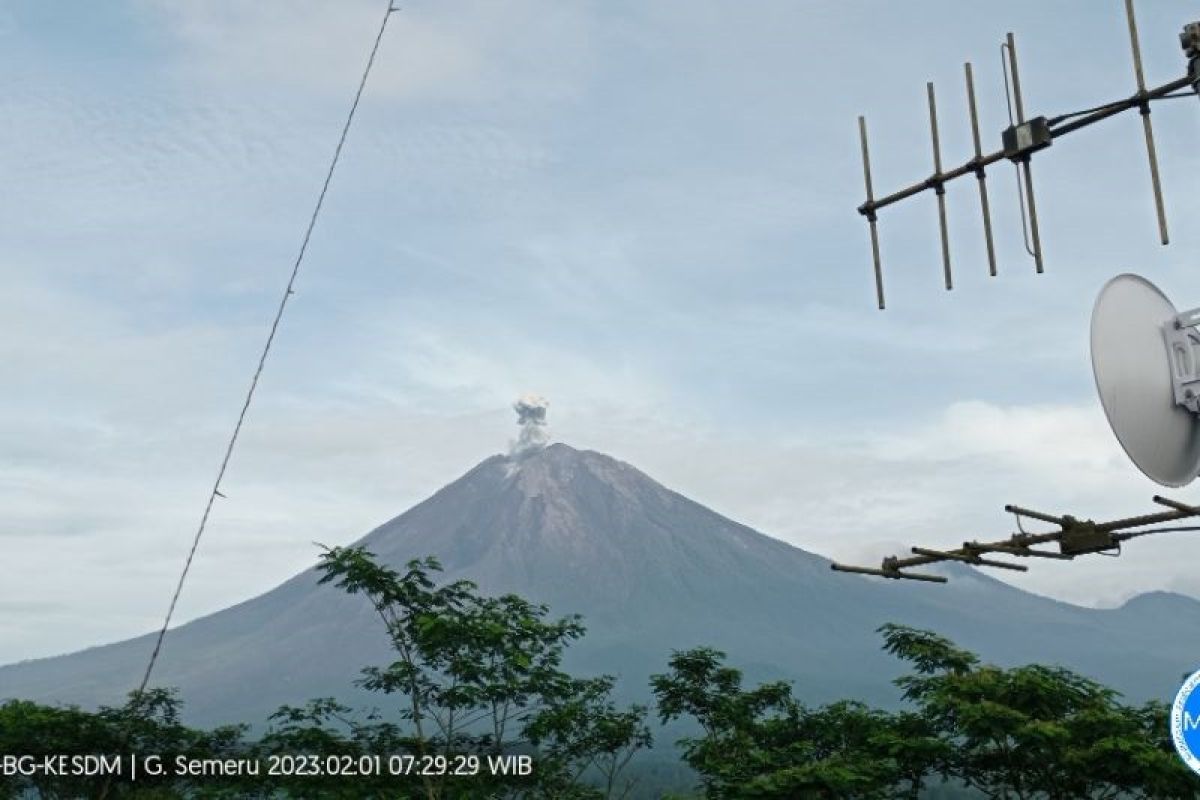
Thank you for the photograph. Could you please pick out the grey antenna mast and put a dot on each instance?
(1021, 140)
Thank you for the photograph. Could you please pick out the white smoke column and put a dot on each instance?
(531, 416)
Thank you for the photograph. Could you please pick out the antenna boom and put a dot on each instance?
(1074, 537)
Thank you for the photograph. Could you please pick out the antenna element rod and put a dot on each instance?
(939, 189)
(1169, 503)
(979, 172)
(1016, 80)
(943, 555)
(1020, 109)
(1147, 128)
(1025, 512)
(1075, 537)
(870, 214)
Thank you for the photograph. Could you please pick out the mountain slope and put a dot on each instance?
(651, 571)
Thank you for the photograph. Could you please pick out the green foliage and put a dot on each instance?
(1028, 733)
(587, 732)
(762, 743)
(147, 723)
(1036, 731)
(482, 675)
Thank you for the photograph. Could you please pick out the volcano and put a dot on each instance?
(650, 571)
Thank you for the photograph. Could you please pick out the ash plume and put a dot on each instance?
(531, 416)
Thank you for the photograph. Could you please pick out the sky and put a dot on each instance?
(644, 211)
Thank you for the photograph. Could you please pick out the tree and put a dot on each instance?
(1036, 732)
(1032, 732)
(479, 675)
(148, 723)
(762, 743)
(476, 677)
(588, 733)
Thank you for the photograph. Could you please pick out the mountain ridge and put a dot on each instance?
(650, 570)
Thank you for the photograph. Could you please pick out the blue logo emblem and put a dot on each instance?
(1185, 722)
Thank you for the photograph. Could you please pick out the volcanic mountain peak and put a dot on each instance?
(560, 471)
(555, 514)
(558, 463)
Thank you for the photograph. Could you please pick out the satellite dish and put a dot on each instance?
(1145, 356)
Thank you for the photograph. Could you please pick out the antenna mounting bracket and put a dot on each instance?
(1026, 138)
(1183, 352)
(1190, 40)
(1082, 536)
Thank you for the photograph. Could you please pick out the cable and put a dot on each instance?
(288, 292)
(1132, 534)
(1084, 112)
(1064, 117)
(266, 351)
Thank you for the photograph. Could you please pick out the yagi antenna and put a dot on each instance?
(1021, 139)
(1074, 537)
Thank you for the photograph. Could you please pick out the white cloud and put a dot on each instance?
(1045, 442)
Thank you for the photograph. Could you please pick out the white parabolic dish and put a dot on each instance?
(1133, 376)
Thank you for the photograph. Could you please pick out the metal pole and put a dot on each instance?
(979, 172)
(1020, 109)
(1147, 128)
(938, 188)
(1016, 80)
(1038, 515)
(866, 157)
(942, 555)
